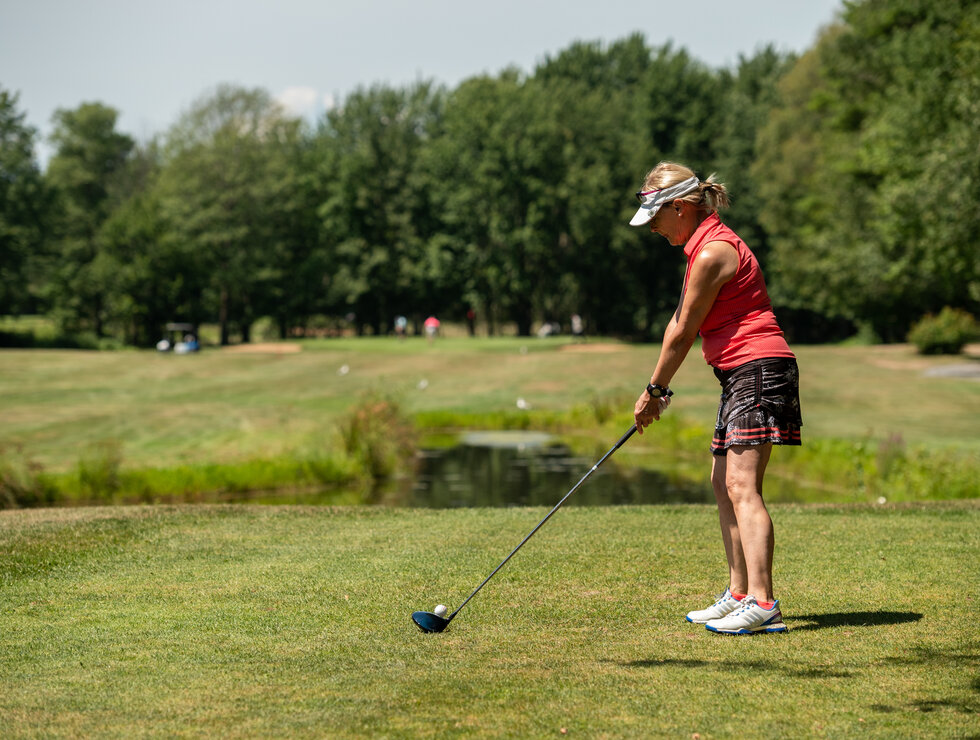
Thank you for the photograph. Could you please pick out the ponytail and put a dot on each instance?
(713, 194)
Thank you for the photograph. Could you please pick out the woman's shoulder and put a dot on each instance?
(718, 257)
(719, 250)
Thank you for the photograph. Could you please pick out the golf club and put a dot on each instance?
(429, 622)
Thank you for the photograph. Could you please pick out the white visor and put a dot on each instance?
(653, 199)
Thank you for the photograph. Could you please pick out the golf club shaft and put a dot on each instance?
(595, 467)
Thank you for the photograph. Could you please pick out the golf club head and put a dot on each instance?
(429, 622)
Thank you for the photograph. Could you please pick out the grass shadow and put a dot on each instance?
(921, 655)
(850, 619)
(941, 705)
(739, 666)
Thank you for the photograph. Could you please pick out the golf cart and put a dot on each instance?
(179, 337)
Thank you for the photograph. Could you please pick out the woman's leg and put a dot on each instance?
(744, 469)
(738, 579)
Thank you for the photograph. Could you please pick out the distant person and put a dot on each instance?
(548, 328)
(724, 299)
(577, 328)
(431, 328)
(471, 321)
(401, 326)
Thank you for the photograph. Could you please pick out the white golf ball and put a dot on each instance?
(440, 611)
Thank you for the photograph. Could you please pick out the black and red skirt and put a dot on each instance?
(760, 404)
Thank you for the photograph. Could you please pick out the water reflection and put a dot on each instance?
(490, 472)
(486, 469)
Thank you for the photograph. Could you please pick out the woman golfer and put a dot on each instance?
(724, 299)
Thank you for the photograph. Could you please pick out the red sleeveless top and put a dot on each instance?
(741, 326)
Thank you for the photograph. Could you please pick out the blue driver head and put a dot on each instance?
(429, 622)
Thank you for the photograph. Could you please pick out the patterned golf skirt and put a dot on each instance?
(760, 403)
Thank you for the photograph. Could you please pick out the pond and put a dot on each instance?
(531, 469)
(493, 469)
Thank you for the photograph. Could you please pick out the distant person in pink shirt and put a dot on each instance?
(724, 299)
(431, 328)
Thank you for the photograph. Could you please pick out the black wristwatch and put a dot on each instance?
(658, 391)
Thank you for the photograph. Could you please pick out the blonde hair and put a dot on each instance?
(710, 194)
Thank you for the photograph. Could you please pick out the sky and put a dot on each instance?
(151, 59)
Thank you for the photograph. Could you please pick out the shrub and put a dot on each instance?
(378, 436)
(23, 481)
(944, 334)
(98, 470)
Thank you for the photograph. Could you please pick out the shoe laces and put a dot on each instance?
(746, 605)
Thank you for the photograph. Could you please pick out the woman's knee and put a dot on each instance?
(744, 472)
(742, 489)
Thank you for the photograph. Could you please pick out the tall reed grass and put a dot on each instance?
(378, 437)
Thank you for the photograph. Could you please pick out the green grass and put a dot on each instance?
(222, 407)
(210, 423)
(290, 621)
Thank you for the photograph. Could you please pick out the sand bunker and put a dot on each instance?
(592, 348)
(264, 348)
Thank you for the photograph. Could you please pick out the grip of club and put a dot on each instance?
(622, 440)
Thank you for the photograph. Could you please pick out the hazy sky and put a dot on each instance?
(150, 59)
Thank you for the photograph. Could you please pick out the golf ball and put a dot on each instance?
(440, 611)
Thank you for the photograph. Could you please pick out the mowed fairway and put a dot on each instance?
(225, 406)
(294, 622)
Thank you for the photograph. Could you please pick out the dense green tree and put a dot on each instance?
(618, 67)
(681, 108)
(873, 214)
(679, 117)
(750, 94)
(495, 174)
(89, 157)
(854, 172)
(788, 172)
(23, 208)
(639, 106)
(591, 196)
(299, 260)
(375, 208)
(145, 268)
(537, 176)
(224, 188)
(593, 90)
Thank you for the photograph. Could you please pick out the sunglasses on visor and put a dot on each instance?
(641, 195)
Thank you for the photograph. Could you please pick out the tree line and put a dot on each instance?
(854, 171)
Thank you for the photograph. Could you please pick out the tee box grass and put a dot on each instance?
(237, 621)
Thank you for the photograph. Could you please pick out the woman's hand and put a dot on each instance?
(648, 410)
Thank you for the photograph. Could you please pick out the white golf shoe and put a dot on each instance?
(749, 619)
(724, 606)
